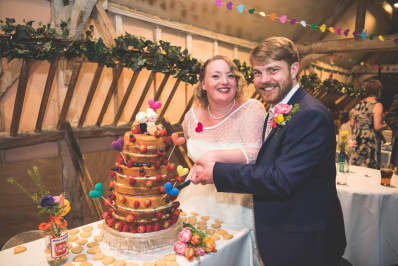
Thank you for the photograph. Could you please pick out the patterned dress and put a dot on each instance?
(364, 154)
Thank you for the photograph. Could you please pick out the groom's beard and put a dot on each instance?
(283, 88)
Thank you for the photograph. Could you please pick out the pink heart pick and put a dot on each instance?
(283, 19)
(176, 139)
(154, 105)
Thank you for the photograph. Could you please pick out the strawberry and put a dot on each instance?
(166, 224)
(156, 133)
(112, 174)
(130, 218)
(176, 212)
(108, 202)
(133, 229)
(147, 203)
(118, 226)
(167, 140)
(125, 228)
(136, 129)
(173, 219)
(107, 215)
(159, 177)
(132, 138)
(163, 132)
(143, 149)
(120, 159)
(112, 196)
(160, 152)
(170, 166)
(136, 204)
(157, 164)
(111, 222)
(148, 228)
(176, 204)
(112, 184)
(159, 215)
(130, 164)
(122, 199)
(165, 161)
(132, 181)
(179, 179)
(156, 227)
(149, 183)
(161, 188)
(141, 229)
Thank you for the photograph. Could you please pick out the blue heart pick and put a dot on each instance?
(174, 192)
(99, 187)
(94, 194)
(167, 187)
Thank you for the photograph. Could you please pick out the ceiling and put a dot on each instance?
(208, 15)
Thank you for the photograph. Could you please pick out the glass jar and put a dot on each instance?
(57, 249)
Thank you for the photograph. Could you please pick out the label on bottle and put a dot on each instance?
(59, 246)
(341, 168)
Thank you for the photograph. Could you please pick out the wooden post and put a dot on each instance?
(126, 97)
(68, 97)
(360, 17)
(90, 95)
(46, 94)
(20, 97)
(117, 71)
(143, 95)
(161, 87)
(173, 91)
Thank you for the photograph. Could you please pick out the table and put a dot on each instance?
(236, 251)
(371, 218)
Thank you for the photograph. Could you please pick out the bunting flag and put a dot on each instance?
(285, 20)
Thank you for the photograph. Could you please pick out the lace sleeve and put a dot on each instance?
(251, 130)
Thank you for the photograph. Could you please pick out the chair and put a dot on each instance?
(22, 238)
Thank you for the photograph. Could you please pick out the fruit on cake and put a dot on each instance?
(138, 200)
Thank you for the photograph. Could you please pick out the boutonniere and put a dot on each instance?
(199, 127)
(282, 114)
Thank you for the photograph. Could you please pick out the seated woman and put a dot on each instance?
(231, 132)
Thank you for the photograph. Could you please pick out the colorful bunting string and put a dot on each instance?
(313, 26)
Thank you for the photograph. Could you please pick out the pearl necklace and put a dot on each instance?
(223, 115)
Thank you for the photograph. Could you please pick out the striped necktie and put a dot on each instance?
(268, 127)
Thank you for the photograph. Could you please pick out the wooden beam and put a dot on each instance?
(306, 61)
(350, 45)
(23, 140)
(117, 71)
(360, 17)
(80, 14)
(161, 86)
(143, 95)
(90, 95)
(168, 101)
(387, 69)
(46, 94)
(20, 97)
(126, 97)
(189, 104)
(85, 179)
(77, 65)
(105, 23)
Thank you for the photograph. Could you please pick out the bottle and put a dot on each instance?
(57, 249)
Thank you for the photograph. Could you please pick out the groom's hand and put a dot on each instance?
(203, 172)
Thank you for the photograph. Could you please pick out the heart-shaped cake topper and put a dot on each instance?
(118, 144)
(177, 140)
(168, 188)
(283, 19)
(154, 105)
(240, 8)
(229, 5)
(97, 192)
(181, 171)
(218, 2)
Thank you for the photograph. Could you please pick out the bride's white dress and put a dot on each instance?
(242, 129)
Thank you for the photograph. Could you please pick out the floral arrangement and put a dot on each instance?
(193, 243)
(282, 114)
(54, 206)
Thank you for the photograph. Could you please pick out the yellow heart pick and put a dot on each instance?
(181, 171)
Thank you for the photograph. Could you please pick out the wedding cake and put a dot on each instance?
(140, 207)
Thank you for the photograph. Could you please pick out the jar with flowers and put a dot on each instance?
(56, 227)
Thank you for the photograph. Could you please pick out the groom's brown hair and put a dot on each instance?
(275, 48)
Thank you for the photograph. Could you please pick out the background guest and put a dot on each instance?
(366, 121)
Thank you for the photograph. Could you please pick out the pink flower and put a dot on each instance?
(282, 109)
(180, 248)
(185, 235)
(272, 123)
(199, 252)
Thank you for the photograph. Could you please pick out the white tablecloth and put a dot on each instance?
(370, 217)
(236, 251)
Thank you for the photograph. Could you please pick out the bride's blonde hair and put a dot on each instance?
(201, 95)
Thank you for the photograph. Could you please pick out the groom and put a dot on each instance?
(298, 216)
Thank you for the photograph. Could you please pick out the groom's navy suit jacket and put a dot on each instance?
(293, 186)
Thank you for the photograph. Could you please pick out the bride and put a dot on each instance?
(223, 126)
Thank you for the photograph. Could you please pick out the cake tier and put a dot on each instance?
(142, 148)
(139, 202)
